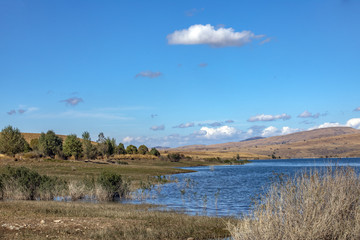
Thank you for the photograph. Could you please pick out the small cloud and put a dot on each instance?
(73, 101)
(357, 109)
(215, 124)
(267, 118)
(11, 112)
(265, 41)
(209, 35)
(193, 11)
(148, 74)
(185, 125)
(203, 65)
(21, 111)
(128, 139)
(158, 128)
(153, 115)
(229, 121)
(307, 114)
(307, 122)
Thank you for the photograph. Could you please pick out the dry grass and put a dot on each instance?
(74, 220)
(318, 205)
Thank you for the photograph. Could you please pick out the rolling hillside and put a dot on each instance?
(325, 142)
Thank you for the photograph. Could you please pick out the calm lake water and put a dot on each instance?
(229, 190)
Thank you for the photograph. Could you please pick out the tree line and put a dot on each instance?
(49, 144)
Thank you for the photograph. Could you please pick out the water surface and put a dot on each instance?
(229, 190)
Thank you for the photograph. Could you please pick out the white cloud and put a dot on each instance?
(128, 139)
(267, 118)
(273, 131)
(327, 125)
(207, 34)
(288, 130)
(158, 128)
(307, 114)
(148, 74)
(220, 132)
(270, 131)
(354, 123)
(357, 109)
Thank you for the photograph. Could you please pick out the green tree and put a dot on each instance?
(120, 149)
(50, 144)
(34, 144)
(131, 149)
(11, 141)
(154, 152)
(143, 149)
(72, 146)
(89, 149)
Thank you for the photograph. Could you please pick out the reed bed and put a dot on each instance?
(317, 204)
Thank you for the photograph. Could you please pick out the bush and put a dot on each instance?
(155, 152)
(112, 186)
(131, 149)
(143, 149)
(315, 205)
(24, 184)
(175, 157)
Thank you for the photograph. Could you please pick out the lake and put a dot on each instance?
(229, 190)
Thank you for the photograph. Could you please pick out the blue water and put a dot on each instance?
(230, 190)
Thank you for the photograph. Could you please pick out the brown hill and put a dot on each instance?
(29, 136)
(331, 142)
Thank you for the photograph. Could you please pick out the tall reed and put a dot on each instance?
(320, 204)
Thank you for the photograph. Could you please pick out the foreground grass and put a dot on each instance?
(76, 220)
(316, 205)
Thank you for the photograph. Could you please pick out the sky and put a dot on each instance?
(173, 73)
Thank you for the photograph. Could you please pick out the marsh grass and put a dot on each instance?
(320, 204)
(21, 183)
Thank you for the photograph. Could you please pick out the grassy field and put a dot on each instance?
(74, 220)
(80, 220)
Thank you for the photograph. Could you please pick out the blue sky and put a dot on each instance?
(174, 73)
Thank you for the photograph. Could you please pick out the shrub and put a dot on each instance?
(112, 186)
(24, 184)
(131, 149)
(155, 152)
(315, 205)
(175, 157)
(143, 149)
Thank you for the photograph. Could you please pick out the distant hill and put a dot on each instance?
(251, 139)
(330, 142)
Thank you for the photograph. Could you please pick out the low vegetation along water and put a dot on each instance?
(229, 190)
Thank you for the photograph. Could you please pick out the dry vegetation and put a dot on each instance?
(315, 205)
(74, 220)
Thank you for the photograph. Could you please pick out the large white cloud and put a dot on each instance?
(220, 132)
(207, 34)
(354, 123)
(267, 118)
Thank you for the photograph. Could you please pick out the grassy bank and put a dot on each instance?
(75, 220)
